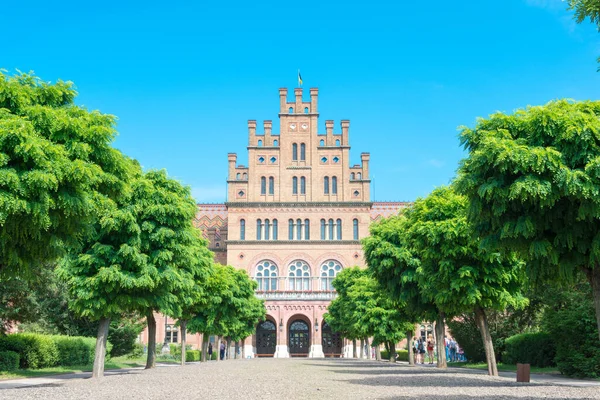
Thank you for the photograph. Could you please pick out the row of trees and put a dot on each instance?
(124, 238)
(524, 209)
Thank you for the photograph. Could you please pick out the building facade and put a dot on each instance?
(293, 219)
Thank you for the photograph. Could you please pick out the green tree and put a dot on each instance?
(532, 180)
(586, 9)
(453, 272)
(394, 264)
(57, 169)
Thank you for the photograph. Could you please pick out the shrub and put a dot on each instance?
(74, 350)
(193, 355)
(122, 335)
(402, 355)
(536, 349)
(137, 352)
(35, 351)
(571, 323)
(9, 360)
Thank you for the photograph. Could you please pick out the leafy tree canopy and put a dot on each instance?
(57, 169)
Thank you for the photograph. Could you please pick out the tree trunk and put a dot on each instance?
(151, 360)
(205, 339)
(488, 345)
(100, 354)
(593, 276)
(377, 353)
(362, 348)
(411, 348)
(353, 348)
(440, 344)
(244, 349)
(392, 354)
(228, 350)
(368, 349)
(183, 326)
(237, 349)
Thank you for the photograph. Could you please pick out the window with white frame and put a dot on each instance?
(329, 269)
(299, 275)
(266, 274)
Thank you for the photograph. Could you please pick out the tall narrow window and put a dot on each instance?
(302, 152)
(263, 185)
(321, 143)
(258, 229)
(271, 185)
(267, 229)
(355, 228)
(302, 185)
(352, 176)
(307, 229)
(259, 143)
(322, 229)
(331, 229)
(298, 229)
(358, 176)
(294, 152)
(339, 229)
(334, 185)
(242, 229)
(326, 185)
(337, 142)
(274, 229)
(291, 229)
(294, 185)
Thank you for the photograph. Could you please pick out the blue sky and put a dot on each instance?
(184, 78)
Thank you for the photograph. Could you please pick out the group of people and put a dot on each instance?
(424, 346)
(221, 351)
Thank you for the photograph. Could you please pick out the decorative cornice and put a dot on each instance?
(299, 167)
(237, 181)
(332, 147)
(304, 204)
(336, 242)
(298, 114)
(263, 147)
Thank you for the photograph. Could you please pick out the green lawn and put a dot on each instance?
(113, 363)
(504, 367)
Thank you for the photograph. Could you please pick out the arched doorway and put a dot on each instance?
(266, 339)
(299, 338)
(331, 341)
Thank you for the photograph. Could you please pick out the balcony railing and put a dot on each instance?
(296, 295)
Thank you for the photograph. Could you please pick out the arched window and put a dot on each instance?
(275, 142)
(302, 152)
(258, 229)
(266, 275)
(245, 176)
(321, 143)
(242, 229)
(352, 176)
(271, 185)
(291, 229)
(263, 185)
(291, 110)
(326, 185)
(334, 185)
(322, 229)
(298, 229)
(358, 176)
(267, 229)
(299, 275)
(337, 142)
(237, 176)
(355, 228)
(339, 229)
(274, 229)
(305, 110)
(330, 229)
(307, 229)
(294, 152)
(302, 185)
(259, 143)
(294, 185)
(329, 269)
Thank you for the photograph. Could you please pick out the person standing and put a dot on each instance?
(421, 350)
(430, 347)
(210, 349)
(222, 351)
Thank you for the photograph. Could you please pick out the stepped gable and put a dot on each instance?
(384, 209)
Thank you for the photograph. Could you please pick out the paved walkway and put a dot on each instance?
(298, 379)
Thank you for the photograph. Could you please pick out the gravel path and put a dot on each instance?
(300, 379)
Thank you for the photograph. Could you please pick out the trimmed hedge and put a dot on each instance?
(401, 355)
(9, 360)
(193, 355)
(537, 349)
(42, 351)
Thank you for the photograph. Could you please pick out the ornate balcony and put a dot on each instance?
(296, 294)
